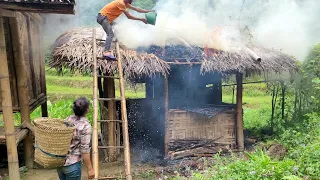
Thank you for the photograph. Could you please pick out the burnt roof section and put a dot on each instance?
(249, 58)
(40, 6)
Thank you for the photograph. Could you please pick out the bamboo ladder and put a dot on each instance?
(124, 121)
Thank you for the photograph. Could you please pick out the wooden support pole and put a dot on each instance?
(125, 131)
(95, 153)
(240, 136)
(23, 91)
(110, 92)
(13, 162)
(166, 107)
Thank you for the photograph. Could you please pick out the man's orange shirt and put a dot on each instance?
(113, 10)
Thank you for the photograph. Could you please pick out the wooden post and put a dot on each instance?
(166, 107)
(23, 91)
(13, 162)
(95, 153)
(240, 136)
(127, 159)
(110, 92)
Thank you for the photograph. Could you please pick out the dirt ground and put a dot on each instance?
(106, 170)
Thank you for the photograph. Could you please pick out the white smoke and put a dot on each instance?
(290, 25)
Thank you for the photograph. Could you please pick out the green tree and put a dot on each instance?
(311, 79)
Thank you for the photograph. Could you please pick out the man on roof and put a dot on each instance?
(112, 11)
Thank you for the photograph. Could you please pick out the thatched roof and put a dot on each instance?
(73, 49)
(248, 58)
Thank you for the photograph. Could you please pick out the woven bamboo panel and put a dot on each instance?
(12, 75)
(34, 35)
(22, 20)
(30, 36)
(186, 125)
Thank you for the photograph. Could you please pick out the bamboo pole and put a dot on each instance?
(23, 91)
(240, 136)
(110, 93)
(13, 162)
(95, 153)
(166, 107)
(125, 132)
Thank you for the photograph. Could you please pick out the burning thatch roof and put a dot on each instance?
(245, 59)
(73, 49)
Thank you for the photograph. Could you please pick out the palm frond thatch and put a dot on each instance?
(73, 49)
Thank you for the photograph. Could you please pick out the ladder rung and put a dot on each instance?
(110, 77)
(110, 147)
(110, 121)
(109, 99)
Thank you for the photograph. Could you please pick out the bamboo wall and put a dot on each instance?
(191, 126)
(31, 38)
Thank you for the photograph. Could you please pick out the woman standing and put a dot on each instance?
(112, 11)
(80, 143)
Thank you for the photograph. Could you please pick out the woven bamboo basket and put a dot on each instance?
(53, 140)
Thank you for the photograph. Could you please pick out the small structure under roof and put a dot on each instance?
(40, 6)
(22, 71)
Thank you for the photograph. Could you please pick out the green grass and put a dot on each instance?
(69, 87)
(256, 107)
(54, 89)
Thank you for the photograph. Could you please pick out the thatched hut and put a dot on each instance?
(197, 121)
(22, 71)
(73, 49)
(183, 105)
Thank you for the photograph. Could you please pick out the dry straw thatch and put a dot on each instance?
(73, 49)
(245, 60)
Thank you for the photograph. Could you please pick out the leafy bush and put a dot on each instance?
(303, 143)
(257, 166)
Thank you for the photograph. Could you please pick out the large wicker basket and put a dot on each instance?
(53, 139)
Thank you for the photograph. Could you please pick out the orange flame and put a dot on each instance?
(215, 38)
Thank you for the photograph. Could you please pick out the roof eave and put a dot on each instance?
(39, 7)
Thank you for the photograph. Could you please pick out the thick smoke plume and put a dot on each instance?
(289, 25)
